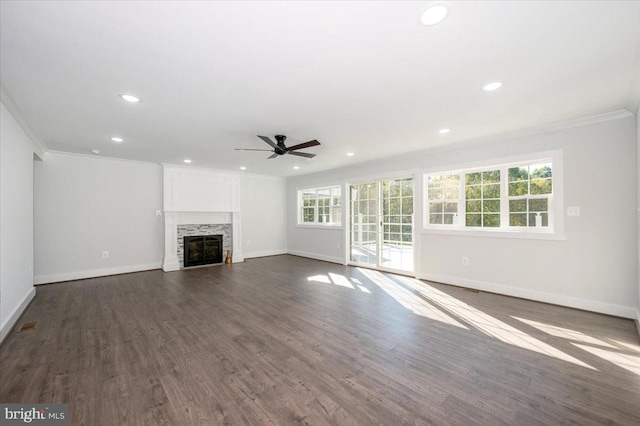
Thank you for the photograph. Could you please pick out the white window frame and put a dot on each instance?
(527, 198)
(462, 205)
(555, 230)
(316, 222)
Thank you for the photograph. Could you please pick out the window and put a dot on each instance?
(308, 206)
(482, 199)
(530, 187)
(512, 197)
(397, 211)
(320, 206)
(444, 198)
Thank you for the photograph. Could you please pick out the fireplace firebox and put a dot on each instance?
(202, 250)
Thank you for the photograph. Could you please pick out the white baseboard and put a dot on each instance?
(316, 256)
(79, 275)
(638, 323)
(12, 319)
(251, 254)
(171, 264)
(556, 299)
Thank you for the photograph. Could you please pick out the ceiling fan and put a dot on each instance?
(280, 148)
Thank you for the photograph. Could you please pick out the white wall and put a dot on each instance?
(322, 244)
(87, 205)
(264, 215)
(16, 221)
(638, 211)
(594, 268)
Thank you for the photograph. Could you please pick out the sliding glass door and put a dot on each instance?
(397, 224)
(364, 224)
(381, 224)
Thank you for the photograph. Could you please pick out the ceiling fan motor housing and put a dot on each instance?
(282, 149)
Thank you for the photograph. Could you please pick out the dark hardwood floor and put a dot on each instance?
(288, 340)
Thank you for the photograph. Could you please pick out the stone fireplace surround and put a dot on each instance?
(201, 230)
(172, 258)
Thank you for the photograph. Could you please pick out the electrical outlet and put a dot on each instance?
(158, 212)
(465, 261)
(337, 245)
(573, 211)
(105, 254)
(248, 243)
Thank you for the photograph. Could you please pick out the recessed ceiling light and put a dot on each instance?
(117, 139)
(130, 98)
(492, 86)
(186, 160)
(95, 151)
(243, 168)
(444, 131)
(350, 154)
(296, 167)
(434, 14)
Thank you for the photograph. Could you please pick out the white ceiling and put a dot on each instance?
(358, 76)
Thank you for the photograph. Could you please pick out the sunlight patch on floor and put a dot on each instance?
(594, 346)
(360, 286)
(409, 300)
(486, 323)
(339, 280)
(565, 333)
(320, 279)
(626, 361)
(635, 348)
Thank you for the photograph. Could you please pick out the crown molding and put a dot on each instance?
(183, 167)
(176, 166)
(39, 145)
(98, 157)
(532, 131)
(468, 143)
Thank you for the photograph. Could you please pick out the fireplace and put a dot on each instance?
(202, 250)
(178, 225)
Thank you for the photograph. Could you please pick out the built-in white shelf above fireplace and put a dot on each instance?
(193, 196)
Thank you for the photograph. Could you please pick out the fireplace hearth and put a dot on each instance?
(202, 250)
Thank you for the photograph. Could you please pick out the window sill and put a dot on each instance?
(493, 233)
(317, 226)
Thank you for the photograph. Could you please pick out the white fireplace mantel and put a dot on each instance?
(196, 196)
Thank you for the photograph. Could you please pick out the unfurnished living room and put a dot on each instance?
(319, 212)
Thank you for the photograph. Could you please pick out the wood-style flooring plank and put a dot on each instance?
(288, 340)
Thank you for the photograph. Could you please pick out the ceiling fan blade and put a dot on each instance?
(273, 156)
(304, 145)
(251, 149)
(301, 154)
(269, 141)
